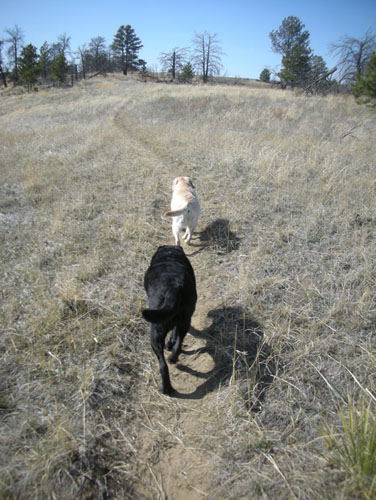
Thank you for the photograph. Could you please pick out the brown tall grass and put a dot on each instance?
(285, 260)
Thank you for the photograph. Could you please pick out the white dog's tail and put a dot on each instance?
(175, 213)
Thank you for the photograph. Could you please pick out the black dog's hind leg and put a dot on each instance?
(157, 343)
(170, 344)
(180, 332)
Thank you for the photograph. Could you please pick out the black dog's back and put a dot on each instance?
(171, 289)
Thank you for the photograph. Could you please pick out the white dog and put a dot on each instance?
(185, 209)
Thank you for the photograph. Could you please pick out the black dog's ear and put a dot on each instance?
(191, 183)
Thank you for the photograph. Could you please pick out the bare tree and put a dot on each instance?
(15, 38)
(353, 55)
(83, 55)
(63, 44)
(207, 55)
(97, 48)
(173, 61)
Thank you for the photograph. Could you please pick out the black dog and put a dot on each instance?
(170, 285)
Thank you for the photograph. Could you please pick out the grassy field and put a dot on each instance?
(277, 384)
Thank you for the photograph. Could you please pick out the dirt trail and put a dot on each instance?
(182, 469)
(174, 463)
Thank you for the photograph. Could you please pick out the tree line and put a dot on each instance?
(300, 67)
(56, 61)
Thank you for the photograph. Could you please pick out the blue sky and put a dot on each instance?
(242, 26)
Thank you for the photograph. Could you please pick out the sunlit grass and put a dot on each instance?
(285, 260)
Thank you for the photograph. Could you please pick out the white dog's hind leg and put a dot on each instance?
(175, 232)
(187, 235)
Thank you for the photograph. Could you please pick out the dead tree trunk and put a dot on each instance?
(3, 77)
(313, 85)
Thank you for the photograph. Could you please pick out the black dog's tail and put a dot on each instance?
(166, 312)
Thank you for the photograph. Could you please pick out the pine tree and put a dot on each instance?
(28, 66)
(45, 60)
(319, 78)
(59, 68)
(296, 66)
(265, 75)
(292, 42)
(318, 67)
(125, 47)
(289, 34)
(187, 73)
(366, 85)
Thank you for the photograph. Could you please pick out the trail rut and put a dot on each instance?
(174, 463)
(181, 468)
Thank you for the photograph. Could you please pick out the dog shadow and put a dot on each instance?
(217, 236)
(238, 349)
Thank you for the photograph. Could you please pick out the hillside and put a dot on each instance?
(282, 344)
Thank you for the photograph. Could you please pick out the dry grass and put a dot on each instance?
(286, 254)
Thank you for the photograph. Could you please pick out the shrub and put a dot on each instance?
(265, 75)
(187, 73)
